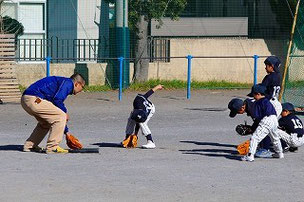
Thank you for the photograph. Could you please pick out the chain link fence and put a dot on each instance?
(97, 31)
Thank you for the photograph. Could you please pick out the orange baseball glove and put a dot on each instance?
(130, 142)
(73, 142)
(243, 148)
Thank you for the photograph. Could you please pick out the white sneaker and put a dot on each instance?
(149, 145)
(278, 155)
(248, 158)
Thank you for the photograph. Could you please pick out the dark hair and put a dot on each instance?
(76, 77)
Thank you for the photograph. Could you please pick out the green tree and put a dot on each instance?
(11, 26)
(141, 12)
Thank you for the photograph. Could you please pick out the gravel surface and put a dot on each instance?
(195, 158)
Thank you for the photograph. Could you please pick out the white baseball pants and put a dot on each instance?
(143, 126)
(277, 106)
(267, 126)
(292, 139)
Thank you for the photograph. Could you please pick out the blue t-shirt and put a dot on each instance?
(54, 89)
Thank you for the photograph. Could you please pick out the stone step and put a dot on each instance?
(3, 62)
(6, 71)
(9, 86)
(5, 66)
(7, 91)
(7, 53)
(11, 99)
(7, 76)
(8, 82)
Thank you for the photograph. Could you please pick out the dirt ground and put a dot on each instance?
(195, 158)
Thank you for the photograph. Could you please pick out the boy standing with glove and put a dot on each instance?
(143, 110)
(265, 119)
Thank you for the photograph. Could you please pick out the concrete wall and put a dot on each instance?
(231, 70)
(29, 73)
(234, 70)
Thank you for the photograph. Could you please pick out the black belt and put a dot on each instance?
(300, 135)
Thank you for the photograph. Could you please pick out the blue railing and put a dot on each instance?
(189, 67)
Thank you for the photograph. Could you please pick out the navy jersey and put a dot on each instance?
(272, 82)
(262, 108)
(249, 102)
(292, 124)
(257, 110)
(142, 102)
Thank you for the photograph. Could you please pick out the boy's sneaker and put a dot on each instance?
(33, 149)
(263, 153)
(149, 145)
(286, 149)
(58, 150)
(278, 155)
(248, 158)
(293, 149)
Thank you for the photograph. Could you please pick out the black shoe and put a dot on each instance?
(34, 149)
(293, 149)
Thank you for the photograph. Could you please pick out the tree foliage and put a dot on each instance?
(154, 9)
(141, 12)
(11, 26)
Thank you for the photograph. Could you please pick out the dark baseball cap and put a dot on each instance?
(235, 105)
(139, 115)
(273, 61)
(288, 106)
(258, 88)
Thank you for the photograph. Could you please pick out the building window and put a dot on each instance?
(159, 49)
(9, 9)
(31, 43)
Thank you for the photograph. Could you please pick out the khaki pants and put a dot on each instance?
(50, 119)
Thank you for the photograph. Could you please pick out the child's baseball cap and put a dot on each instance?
(139, 115)
(235, 105)
(258, 88)
(273, 61)
(288, 106)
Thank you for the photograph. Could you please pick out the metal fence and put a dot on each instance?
(62, 49)
(80, 50)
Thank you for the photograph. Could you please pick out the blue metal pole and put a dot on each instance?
(121, 59)
(48, 61)
(189, 57)
(255, 71)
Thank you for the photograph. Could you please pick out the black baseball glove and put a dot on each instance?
(244, 129)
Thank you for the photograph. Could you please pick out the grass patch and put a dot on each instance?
(22, 88)
(174, 84)
(294, 84)
(178, 84)
(97, 88)
(169, 85)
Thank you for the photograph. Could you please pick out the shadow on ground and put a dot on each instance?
(209, 109)
(218, 152)
(11, 147)
(108, 144)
